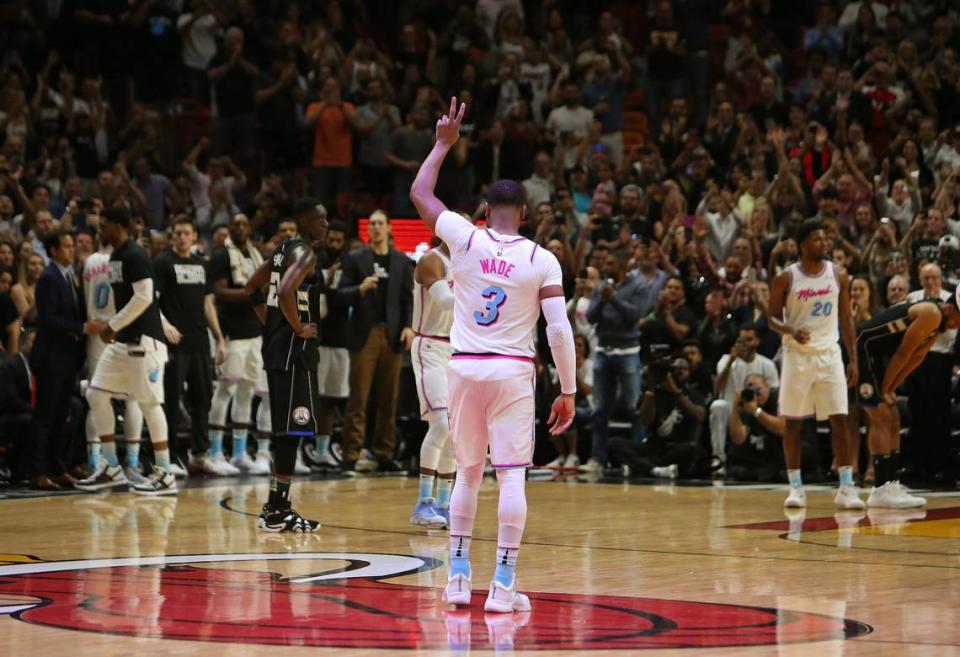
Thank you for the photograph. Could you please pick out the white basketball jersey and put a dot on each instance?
(96, 287)
(428, 317)
(497, 280)
(813, 303)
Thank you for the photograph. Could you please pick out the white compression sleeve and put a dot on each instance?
(139, 302)
(441, 294)
(560, 339)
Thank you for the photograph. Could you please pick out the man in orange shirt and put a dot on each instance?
(333, 122)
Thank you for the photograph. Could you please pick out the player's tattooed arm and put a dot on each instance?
(254, 289)
(304, 263)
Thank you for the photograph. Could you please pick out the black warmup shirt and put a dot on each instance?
(238, 321)
(281, 347)
(181, 285)
(381, 268)
(130, 264)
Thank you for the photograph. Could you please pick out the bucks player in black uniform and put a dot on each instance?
(890, 345)
(290, 353)
(132, 364)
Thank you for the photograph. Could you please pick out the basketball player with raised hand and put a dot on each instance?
(290, 355)
(501, 283)
(810, 308)
(133, 362)
(429, 355)
(891, 345)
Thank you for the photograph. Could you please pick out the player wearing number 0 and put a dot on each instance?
(501, 282)
(810, 308)
(290, 355)
(429, 355)
(99, 299)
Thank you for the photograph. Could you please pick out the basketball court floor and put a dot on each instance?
(611, 569)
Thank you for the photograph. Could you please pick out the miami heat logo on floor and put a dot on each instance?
(350, 607)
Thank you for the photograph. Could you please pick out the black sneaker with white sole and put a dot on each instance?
(160, 482)
(106, 476)
(277, 520)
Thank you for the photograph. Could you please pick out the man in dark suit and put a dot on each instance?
(16, 406)
(846, 104)
(495, 158)
(377, 282)
(56, 359)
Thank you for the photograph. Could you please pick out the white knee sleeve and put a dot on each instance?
(222, 392)
(463, 502)
(512, 509)
(156, 421)
(103, 421)
(264, 421)
(435, 453)
(242, 403)
(132, 422)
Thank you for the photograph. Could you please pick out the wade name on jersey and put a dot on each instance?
(496, 267)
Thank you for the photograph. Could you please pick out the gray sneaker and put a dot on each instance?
(160, 482)
(133, 476)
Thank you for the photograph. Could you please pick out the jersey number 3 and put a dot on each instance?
(272, 292)
(491, 309)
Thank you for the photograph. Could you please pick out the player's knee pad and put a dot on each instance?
(469, 476)
(132, 421)
(103, 420)
(242, 403)
(285, 454)
(512, 478)
(156, 421)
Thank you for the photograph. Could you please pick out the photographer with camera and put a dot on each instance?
(732, 372)
(673, 412)
(756, 433)
(615, 311)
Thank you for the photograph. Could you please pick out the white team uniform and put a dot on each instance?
(244, 362)
(813, 380)
(431, 350)
(491, 374)
(98, 296)
(333, 367)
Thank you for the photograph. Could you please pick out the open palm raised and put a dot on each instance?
(448, 125)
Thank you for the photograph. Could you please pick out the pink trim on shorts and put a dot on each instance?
(511, 465)
(523, 359)
(112, 392)
(440, 338)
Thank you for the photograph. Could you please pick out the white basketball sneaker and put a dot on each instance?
(892, 495)
(218, 465)
(301, 468)
(261, 464)
(572, 462)
(505, 600)
(848, 498)
(797, 499)
(458, 591)
(242, 462)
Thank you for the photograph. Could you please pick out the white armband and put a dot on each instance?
(560, 339)
(441, 294)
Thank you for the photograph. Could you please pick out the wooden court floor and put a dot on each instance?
(612, 569)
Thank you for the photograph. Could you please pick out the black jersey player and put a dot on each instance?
(290, 353)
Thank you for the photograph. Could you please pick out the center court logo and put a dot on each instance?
(204, 598)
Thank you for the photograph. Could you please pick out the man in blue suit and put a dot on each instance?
(56, 359)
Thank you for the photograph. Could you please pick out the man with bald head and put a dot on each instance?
(926, 452)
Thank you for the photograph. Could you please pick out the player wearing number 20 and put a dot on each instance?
(810, 307)
(501, 283)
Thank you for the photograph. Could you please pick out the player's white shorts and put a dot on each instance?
(813, 384)
(497, 413)
(95, 347)
(333, 372)
(132, 371)
(430, 358)
(243, 361)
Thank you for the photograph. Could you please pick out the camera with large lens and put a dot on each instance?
(748, 394)
(659, 360)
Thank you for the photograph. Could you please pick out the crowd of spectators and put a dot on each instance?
(668, 149)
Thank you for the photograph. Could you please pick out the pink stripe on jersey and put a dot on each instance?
(494, 239)
(470, 241)
(534, 252)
